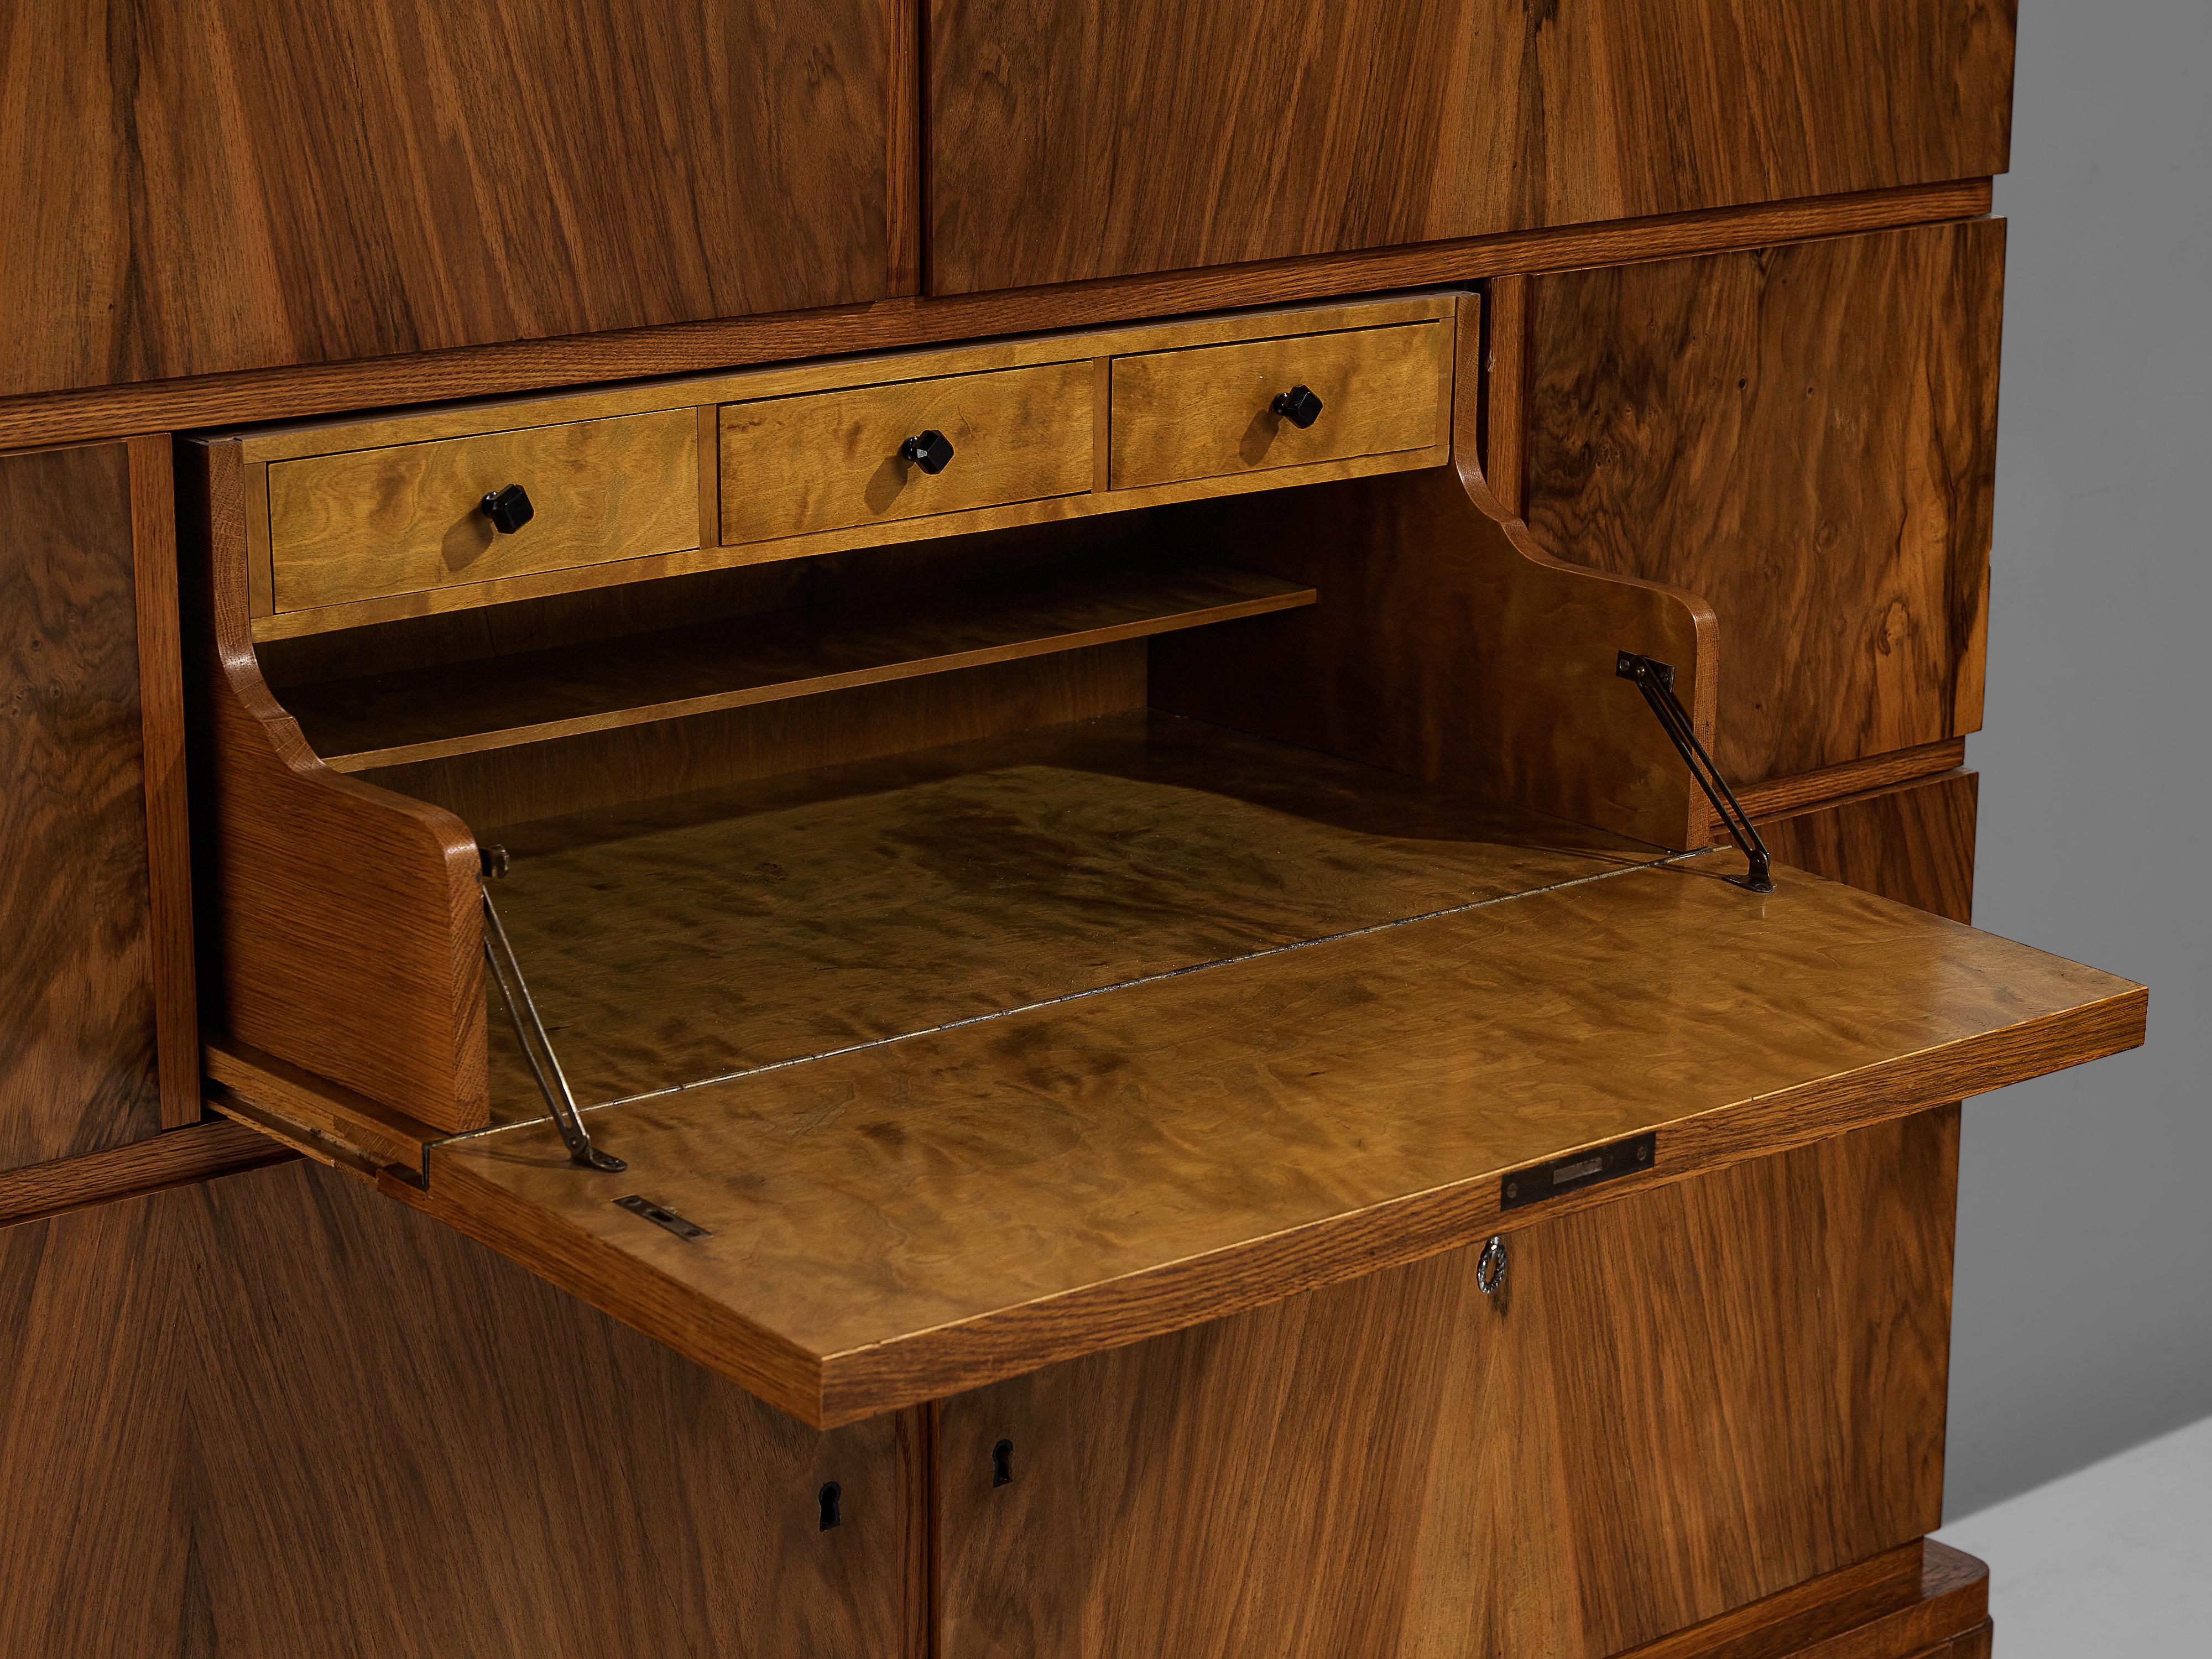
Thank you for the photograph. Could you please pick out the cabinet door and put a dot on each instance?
(97, 1033)
(1677, 1403)
(1103, 137)
(246, 183)
(1806, 436)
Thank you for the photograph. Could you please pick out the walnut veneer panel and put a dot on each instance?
(1098, 137)
(1806, 436)
(1677, 1404)
(273, 1415)
(673, 944)
(79, 1026)
(256, 183)
(1914, 843)
(900, 1222)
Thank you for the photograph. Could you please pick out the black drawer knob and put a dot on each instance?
(508, 509)
(931, 451)
(1298, 406)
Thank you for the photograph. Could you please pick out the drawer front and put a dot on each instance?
(829, 460)
(375, 522)
(1208, 413)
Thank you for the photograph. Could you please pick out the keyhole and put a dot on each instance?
(1002, 1463)
(830, 1518)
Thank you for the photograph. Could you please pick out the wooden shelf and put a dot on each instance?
(391, 719)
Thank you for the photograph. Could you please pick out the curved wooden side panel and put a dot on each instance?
(340, 922)
(1446, 643)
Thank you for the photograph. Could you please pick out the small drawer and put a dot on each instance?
(829, 460)
(370, 523)
(1209, 412)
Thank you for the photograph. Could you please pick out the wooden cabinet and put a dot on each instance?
(99, 1041)
(1101, 138)
(989, 950)
(265, 184)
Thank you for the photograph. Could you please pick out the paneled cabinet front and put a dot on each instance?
(251, 183)
(1106, 137)
(1660, 1409)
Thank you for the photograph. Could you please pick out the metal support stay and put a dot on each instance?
(1655, 680)
(536, 1046)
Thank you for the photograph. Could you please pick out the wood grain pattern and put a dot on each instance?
(1806, 436)
(1094, 139)
(162, 768)
(794, 465)
(376, 522)
(498, 702)
(272, 185)
(80, 997)
(1446, 644)
(721, 931)
(275, 1415)
(907, 1220)
(339, 922)
(1914, 844)
(1201, 413)
(689, 348)
(1679, 1404)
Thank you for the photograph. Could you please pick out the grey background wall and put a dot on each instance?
(2083, 1320)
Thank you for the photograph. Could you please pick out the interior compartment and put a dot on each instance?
(982, 951)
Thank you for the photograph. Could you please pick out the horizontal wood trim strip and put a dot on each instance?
(689, 348)
(171, 1158)
(1810, 791)
(504, 702)
(1895, 1605)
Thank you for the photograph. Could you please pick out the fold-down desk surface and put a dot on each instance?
(929, 1214)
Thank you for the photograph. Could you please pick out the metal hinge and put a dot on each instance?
(1655, 680)
(536, 1046)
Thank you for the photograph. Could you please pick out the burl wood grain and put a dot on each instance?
(375, 522)
(910, 1219)
(1806, 436)
(339, 922)
(1204, 413)
(79, 1026)
(1095, 138)
(258, 183)
(793, 465)
(1914, 844)
(667, 946)
(275, 1415)
(1680, 1403)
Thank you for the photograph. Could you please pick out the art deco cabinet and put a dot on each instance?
(936, 829)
